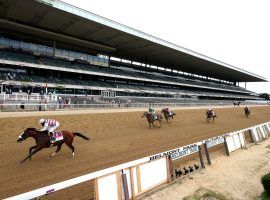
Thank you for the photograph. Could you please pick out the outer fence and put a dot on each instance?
(27, 97)
(127, 181)
(6, 107)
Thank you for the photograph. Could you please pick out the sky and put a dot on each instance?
(234, 32)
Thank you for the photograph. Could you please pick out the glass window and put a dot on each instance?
(41, 49)
(49, 50)
(24, 45)
(14, 43)
(5, 41)
(71, 54)
(33, 47)
(78, 55)
(65, 53)
(57, 52)
(84, 56)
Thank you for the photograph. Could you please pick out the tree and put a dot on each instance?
(265, 96)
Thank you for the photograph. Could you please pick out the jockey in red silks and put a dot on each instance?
(50, 125)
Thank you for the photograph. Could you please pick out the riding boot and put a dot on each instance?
(52, 139)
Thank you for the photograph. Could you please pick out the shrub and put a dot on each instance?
(266, 183)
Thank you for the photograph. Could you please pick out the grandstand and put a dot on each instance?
(51, 47)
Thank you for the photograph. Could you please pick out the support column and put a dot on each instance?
(245, 85)
(109, 62)
(54, 47)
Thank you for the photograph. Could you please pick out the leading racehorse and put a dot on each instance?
(168, 115)
(151, 120)
(43, 141)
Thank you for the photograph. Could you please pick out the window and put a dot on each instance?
(33, 47)
(14, 43)
(24, 45)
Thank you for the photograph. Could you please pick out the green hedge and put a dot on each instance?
(266, 183)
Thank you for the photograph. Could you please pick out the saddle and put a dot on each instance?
(56, 136)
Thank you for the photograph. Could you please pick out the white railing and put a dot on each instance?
(26, 97)
(56, 106)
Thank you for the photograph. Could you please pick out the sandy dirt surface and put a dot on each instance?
(116, 138)
(236, 177)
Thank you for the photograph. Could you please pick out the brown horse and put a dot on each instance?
(247, 112)
(43, 141)
(151, 120)
(167, 115)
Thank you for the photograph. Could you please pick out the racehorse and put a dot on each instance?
(236, 104)
(43, 141)
(247, 112)
(151, 120)
(167, 115)
(210, 115)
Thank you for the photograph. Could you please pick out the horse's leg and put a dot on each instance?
(30, 151)
(57, 150)
(72, 149)
(35, 151)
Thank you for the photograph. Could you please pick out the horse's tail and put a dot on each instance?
(80, 135)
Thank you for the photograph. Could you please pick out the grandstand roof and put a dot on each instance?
(72, 27)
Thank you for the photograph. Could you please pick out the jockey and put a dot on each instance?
(152, 111)
(169, 111)
(246, 109)
(50, 125)
(210, 111)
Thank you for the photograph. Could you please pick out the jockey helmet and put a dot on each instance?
(41, 121)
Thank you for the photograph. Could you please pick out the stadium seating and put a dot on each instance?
(17, 55)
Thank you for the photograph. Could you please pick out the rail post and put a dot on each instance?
(201, 157)
(207, 154)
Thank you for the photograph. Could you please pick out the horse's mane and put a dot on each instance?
(32, 129)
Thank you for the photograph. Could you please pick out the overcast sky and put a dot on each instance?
(235, 32)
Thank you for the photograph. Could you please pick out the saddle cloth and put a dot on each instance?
(57, 136)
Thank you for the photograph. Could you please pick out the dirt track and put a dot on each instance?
(115, 138)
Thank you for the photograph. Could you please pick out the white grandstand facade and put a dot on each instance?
(51, 47)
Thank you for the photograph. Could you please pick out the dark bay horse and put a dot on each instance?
(167, 114)
(210, 115)
(43, 141)
(236, 104)
(151, 120)
(247, 111)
